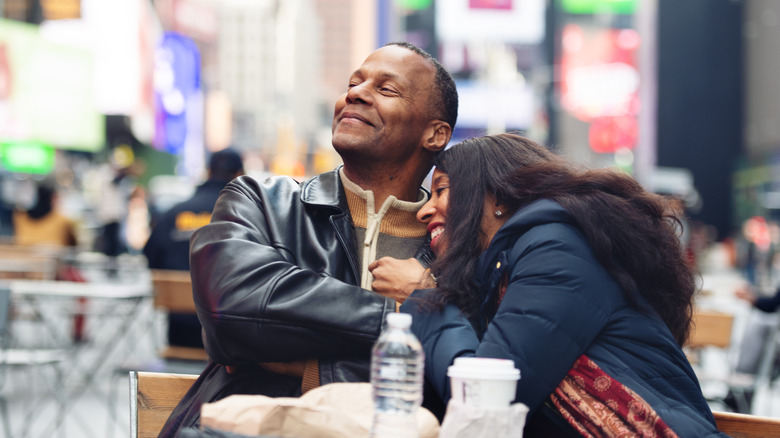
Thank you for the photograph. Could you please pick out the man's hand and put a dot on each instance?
(397, 279)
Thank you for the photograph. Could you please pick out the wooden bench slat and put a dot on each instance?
(153, 398)
(747, 426)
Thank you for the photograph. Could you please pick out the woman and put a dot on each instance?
(576, 275)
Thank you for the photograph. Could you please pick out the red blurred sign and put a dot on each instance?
(491, 4)
(600, 83)
(609, 134)
(599, 72)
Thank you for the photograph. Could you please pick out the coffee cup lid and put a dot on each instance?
(483, 368)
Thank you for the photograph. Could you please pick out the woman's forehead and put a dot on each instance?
(438, 175)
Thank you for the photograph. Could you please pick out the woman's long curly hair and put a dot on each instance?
(634, 233)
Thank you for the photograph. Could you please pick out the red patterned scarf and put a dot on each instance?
(599, 406)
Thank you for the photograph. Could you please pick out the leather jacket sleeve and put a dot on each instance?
(274, 278)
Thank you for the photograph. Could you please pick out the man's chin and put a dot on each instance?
(344, 143)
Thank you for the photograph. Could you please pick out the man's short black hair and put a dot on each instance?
(445, 107)
(225, 164)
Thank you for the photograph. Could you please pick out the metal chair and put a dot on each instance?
(172, 293)
(11, 357)
(712, 332)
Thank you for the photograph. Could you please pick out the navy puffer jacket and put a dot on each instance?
(560, 303)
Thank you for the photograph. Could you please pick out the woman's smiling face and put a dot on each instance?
(434, 212)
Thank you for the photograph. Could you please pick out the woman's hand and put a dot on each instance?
(397, 279)
(745, 293)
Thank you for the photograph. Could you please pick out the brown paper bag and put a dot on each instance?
(336, 410)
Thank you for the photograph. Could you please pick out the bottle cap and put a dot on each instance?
(399, 320)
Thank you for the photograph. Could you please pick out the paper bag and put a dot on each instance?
(462, 421)
(336, 410)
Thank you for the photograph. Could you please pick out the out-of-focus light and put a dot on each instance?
(520, 22)
(416, 5)
(599, 6)
(177, 92)
(64, 177)
(599, 73)
(601, 89)
(219, 116)
(123, 155)
(572, 39)
(627, 39)
(490, 4)
(624, 158)
(47, 90)
(610, 134)
(27, 156)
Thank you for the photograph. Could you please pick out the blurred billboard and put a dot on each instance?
(46, 91)
(504, 21)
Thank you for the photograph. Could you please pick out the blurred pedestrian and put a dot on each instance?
(755, 255)
(112, 208)
(43, 224)
(756, 336)
(168, 246)
(766, 304)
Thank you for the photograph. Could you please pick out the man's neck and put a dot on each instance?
(384, 184)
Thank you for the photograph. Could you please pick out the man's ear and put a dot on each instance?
(436, 135)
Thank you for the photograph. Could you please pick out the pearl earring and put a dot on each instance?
(498, 213)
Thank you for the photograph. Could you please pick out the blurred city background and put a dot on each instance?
(680, 93)
(124, 100)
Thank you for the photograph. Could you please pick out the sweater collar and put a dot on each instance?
(327, 190)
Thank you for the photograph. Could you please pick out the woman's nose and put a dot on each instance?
(425, 213)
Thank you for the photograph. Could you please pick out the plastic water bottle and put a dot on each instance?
(396, 379)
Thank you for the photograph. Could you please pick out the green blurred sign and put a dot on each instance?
(27, 156)
(416, 5)
(599, 6)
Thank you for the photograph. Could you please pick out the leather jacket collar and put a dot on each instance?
(325, 190)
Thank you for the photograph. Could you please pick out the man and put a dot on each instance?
(280, 275)
(168, 246)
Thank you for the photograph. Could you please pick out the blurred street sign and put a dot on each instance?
(27, 156)
(61, 9)
(599, 6)
(519, 22)
(415, 5)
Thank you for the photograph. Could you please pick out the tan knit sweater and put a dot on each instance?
(393, 230)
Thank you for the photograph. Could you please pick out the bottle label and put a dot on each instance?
(393, 370)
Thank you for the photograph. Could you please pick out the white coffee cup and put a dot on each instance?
(482, 382)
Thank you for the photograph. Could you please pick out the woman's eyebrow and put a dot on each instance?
(439, 179)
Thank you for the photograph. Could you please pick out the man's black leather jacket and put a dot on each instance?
(275, 279)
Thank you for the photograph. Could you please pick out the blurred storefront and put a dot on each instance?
(650, 86)
(757, 181)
